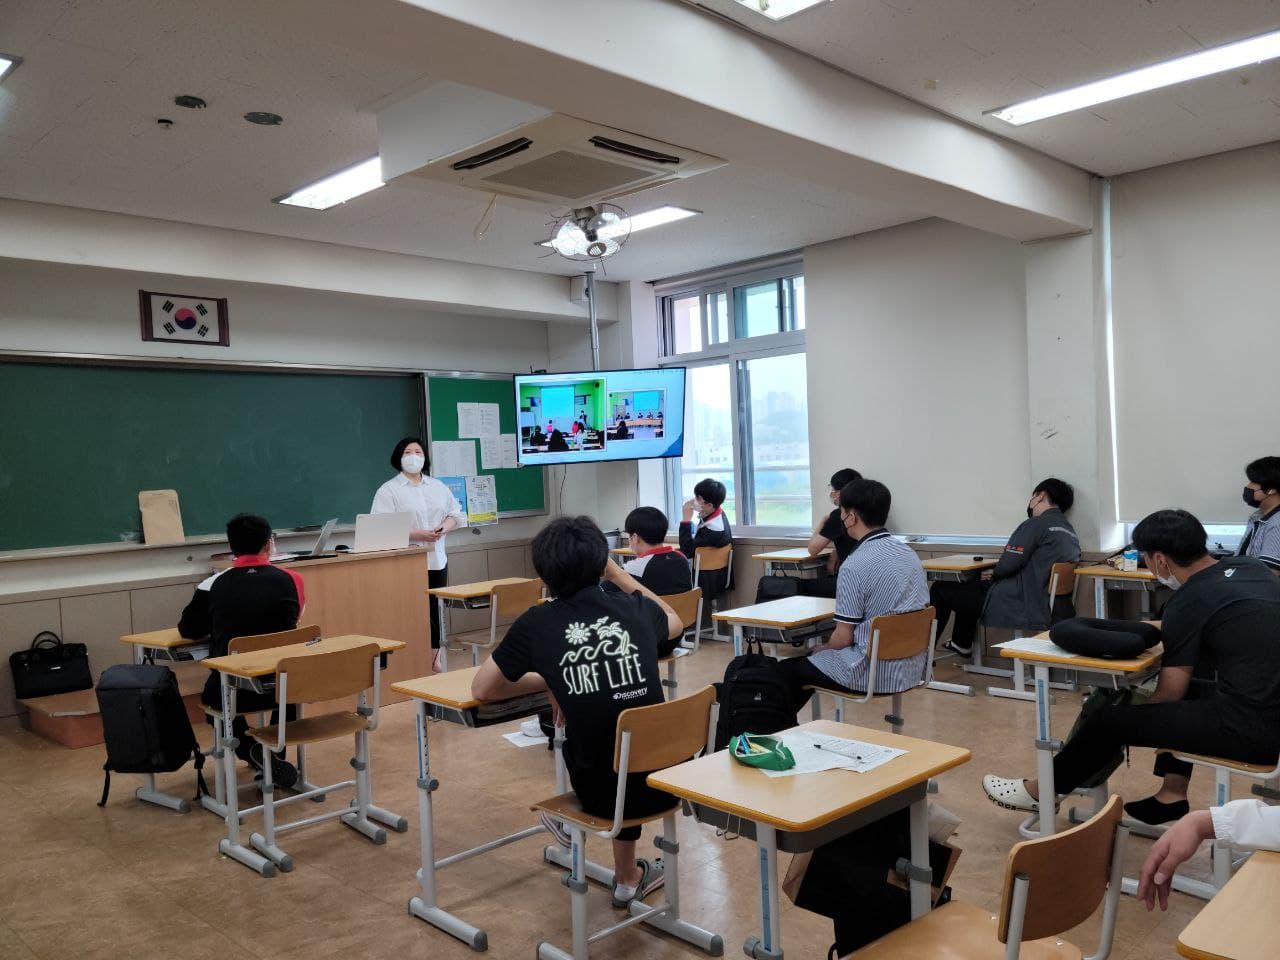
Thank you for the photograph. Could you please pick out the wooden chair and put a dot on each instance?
(1050, 885)
(262, 641)
(711, 560)
(1222, 854)
(506, 602)
(315, 678)
(688, 607)
(647, 739)
(896, 636)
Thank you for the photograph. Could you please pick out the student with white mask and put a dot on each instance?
(435, 509)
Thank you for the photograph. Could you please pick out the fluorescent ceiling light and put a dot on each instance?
(779, 9)
(339, 187)
(656, 217)
(1242, 53)
(8, 63)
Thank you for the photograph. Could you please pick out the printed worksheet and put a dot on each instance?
(815, 752)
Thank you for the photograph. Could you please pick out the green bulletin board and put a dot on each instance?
(518, 490)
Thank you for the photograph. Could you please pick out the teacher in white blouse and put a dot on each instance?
(435, 510)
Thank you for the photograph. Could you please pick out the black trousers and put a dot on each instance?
(1215, 726)
(962, 598)
(435, 579)
(798, 673)
(247, 701)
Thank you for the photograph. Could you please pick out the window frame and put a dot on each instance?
(736, 353)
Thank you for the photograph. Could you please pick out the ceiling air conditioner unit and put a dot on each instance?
(562, 161)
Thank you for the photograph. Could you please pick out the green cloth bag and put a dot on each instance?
(767, 753)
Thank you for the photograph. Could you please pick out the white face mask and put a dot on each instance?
(1170, 581)
(412, 463)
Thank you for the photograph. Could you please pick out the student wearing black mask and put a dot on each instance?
(1014, 593)
(831, 532)
(1261, 538)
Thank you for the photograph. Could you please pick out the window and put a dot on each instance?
(746, 413)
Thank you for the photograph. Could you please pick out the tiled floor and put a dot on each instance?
(135, 881)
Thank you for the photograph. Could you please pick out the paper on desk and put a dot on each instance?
(453, 458)
(1041, 645)
(815, 752)
(509, 453)
(522, 739)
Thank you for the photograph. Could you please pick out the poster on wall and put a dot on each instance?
(181, 318)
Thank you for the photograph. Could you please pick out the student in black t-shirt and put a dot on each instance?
(831, 532)
(1226, 612)
(596, 652)
(658, 565)
(248, 598)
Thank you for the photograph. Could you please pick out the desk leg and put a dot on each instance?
(231, 844)
(920, 891)
(1100, 597)
(442, 657)
(737, 639)
(425, 907)
(379, 814)
(1146, 602)
(1046, 746)
(768, 946)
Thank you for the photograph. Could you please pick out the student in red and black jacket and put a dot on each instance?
(248, 598)
(712, 531)
(658, 565)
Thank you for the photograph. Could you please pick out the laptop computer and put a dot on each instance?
(321, 540)
(382, 531)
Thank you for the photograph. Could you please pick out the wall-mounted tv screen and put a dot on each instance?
(600, 415)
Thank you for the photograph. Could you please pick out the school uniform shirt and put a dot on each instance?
(833, 529)
(1262, 538)
(1248, 824)
(430, 502)
(598, 652)
(882, 576)
(713, 531)
(664, 570)
(1228, 617)
(1019, 594)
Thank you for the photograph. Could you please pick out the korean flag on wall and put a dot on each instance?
(185, 319)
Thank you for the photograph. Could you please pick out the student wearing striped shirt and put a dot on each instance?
(882, 576)
(1262, 532)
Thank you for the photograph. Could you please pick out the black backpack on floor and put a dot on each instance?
(753, 698)
(145, 724)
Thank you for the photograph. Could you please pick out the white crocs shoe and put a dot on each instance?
(1010, 794)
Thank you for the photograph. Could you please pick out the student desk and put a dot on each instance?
(467, 596)
(1240, 922)
(163, 644)
(1106, 577)
(795, 558)
(248, 670)
(782, 615)
(961, 567)
(800, 813)
(450, 695)
(625, 552)
(1041, 654)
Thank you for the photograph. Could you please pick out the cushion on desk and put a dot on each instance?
(958, 931)
(1109, 639)
(567, 807)
(330, 726)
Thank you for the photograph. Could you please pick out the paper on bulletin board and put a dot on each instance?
(510, 459)
(491, 453)
(453, 458)
(458, 487)
(477, 421)
(482, 500)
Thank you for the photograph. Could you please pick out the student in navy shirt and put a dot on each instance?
(596, 652)
(248, 598)
(658, 565)
(712, 530)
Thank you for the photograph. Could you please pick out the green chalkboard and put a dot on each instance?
(77, 443)
(520, 489)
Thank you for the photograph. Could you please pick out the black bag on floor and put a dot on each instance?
(145, 724)
(50, 666)
(775, 588)
(753, 698)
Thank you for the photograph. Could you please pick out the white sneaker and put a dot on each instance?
(1010, 794)
(532, 728)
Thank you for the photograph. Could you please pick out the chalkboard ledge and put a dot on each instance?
(92, 549)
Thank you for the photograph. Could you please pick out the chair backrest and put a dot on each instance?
(513, 599)
(664, 734)
(903, 635)
(1062, 580)
(707, 559)
(268, 641)
(328, 676)
(1066, 876)
(685, 605)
